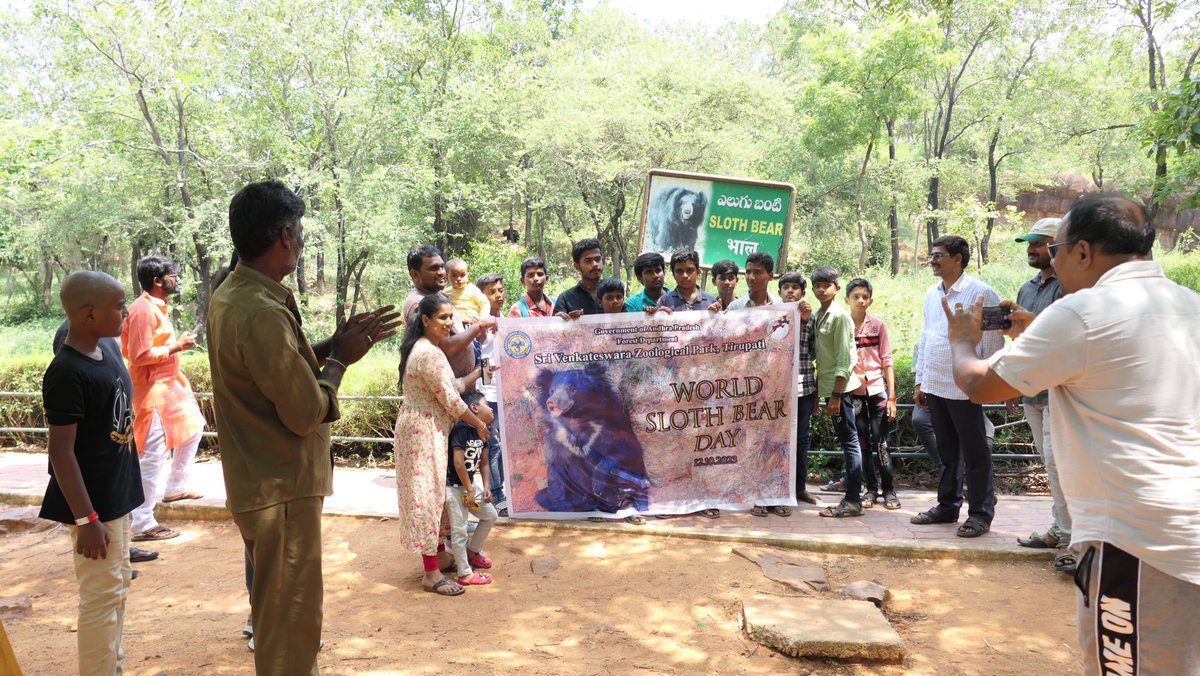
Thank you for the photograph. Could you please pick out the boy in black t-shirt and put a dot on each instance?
(95, 480)
(465, 495)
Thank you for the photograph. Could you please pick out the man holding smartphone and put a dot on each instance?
(1118, 354)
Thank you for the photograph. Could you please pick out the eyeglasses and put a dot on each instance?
(937, 256)
(1050, 247)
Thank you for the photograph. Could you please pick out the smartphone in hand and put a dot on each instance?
(996, 318)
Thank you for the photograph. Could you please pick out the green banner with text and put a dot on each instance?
(719, 217)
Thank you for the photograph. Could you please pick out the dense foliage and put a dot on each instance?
(126, 126)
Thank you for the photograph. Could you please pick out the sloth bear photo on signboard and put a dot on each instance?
(594, 461)
(674, 219)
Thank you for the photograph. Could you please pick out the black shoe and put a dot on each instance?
(139, 555)
(133, 575)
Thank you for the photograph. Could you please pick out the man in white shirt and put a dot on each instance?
(1118, 354)
(957, 422)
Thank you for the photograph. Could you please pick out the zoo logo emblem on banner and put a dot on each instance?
(518, 345)
(718, 217)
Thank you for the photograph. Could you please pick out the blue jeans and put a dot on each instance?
(804, 407)
(847, 434)
(495, 456)
(872, 421)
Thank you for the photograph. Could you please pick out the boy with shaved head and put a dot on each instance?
(95, 480)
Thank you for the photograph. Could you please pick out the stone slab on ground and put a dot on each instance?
(17, 519)
(793, 570)
(543, 564)
(868, 590)
(811, 627)
(15, 607)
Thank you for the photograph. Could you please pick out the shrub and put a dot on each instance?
(1183, 269)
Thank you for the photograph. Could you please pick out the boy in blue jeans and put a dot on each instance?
(468, 493)
(836, 357)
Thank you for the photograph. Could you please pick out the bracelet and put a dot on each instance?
(892, 399)
(83, 521)
(331, 359)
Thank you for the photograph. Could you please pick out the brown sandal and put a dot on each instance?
(759, 510)
(159, 532)
(781, 510)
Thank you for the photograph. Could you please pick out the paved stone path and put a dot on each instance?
(372, 493)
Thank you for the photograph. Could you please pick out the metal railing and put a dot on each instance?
(897, 452)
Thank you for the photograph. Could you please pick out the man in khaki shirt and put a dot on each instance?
(274, 397)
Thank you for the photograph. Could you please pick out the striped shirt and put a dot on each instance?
(874, 356)
(932, 361)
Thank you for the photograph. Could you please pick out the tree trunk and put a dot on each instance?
(301, 287)
(931, 222)
(1156, 72)
(526, 164)
(864, 244)
(528, 222)
(357, 289)
(342, 282)
(541, 234)
(47, 279)
(993, 193)
(893, 221)
(320, 271)
(135, 255)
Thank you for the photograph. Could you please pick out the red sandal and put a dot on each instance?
(478, 560)
(475, 577)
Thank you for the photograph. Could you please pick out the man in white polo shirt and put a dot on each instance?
(1119, 356)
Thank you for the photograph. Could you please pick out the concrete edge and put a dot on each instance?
(824, 544)
(849, 544)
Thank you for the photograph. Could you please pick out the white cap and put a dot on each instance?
(1045, 228)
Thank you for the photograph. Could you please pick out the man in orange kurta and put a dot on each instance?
(165, 413)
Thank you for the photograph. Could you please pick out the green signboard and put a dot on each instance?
(718, 216)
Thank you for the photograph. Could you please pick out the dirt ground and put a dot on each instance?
(618, 603)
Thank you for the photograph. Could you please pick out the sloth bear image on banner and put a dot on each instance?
(593, 458)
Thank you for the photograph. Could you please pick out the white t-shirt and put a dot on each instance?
(487, 348)
(1122, 363)
(745, 302)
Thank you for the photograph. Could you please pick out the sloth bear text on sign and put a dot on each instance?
(593, 459)
(674, 219)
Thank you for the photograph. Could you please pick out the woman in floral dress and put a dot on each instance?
(431, 405)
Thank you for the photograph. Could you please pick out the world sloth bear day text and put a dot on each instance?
(709, 416)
